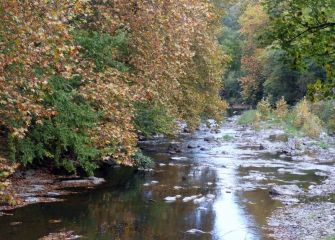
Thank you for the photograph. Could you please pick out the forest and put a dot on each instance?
(84, 83)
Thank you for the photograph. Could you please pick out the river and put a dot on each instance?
(218, 189)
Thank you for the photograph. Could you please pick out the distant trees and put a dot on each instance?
(306, 31)
(286, 48)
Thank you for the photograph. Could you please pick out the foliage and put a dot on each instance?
(252, 21)
(325, 110)
(142, 162)
(305, 120)
(123, 54)
(305, 29)
(281, 110)
(299, 120)
(62, 140)
(321, 91)
(152, 118)
(264, 108)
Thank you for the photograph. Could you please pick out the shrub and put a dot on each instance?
(325, 110)
(264, 109)
(141, 161)
(281, 109)
(301, 113)
(152, 118)
(62, 139)
(305, 120)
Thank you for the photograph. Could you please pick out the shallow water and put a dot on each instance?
(130, 206)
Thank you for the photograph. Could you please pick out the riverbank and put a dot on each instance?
(308, 212)
(41, 186)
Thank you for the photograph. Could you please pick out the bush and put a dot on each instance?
(325, 110)
(281, 109)
(152, 118)
(63, 139)
(142, 162)
(264, 109)
(305, 120)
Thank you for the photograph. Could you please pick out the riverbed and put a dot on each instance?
(223, 183)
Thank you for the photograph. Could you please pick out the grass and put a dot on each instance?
(227, 138)
(332, 237)
(322, 144)
(248, 117)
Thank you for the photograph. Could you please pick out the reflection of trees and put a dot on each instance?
(129, 214)
(262, 205)
(123, 209)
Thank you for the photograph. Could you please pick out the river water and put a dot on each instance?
(229, 180)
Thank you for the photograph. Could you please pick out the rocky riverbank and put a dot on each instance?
(308, 213)
(28, 187)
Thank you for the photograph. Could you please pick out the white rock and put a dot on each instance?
(195, 231)
(210, 196)
(170, 199)
(154, 182)
(199, 200)
(188, 199)
(177, 187)
(178, 158)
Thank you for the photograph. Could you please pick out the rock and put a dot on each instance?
(261, 147)
(209, 139)
(91, 181)
(210, 196)
(37, 188)
(177, 187)
(97, 181)
(170, 199)
(290, 190)
(201, 209)
(209, 183)
(154, 182)
(32, 200)
(188, 199)
(162, 164)
(174, 148)
(190, 146)
(195, 231)
(53, 194)
(279, 137)
(178, 158)
(204, 149)
(186, 130)
(199, 200)
(55, 221)
(15, 223)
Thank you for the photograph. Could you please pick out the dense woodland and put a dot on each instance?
(81, 80)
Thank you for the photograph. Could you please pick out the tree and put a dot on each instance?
(306, 30)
